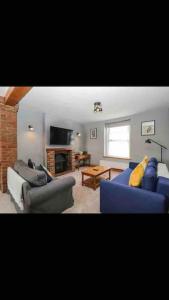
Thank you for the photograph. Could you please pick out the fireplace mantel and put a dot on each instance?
(51, 162)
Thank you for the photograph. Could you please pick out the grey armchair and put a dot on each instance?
(54, 197)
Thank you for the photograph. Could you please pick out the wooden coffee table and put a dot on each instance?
(94, 174)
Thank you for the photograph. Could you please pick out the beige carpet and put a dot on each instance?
(6, 206)
(86, 200)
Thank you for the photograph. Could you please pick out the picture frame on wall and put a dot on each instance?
(93, 133)
(148, 128)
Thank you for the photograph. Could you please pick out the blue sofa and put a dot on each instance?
(116, 196)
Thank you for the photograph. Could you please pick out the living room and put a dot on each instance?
(84, 139)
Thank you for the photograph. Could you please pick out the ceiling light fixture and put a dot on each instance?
(98, 107)
(30, 127)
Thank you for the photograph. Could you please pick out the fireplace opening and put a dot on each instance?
(61, 162)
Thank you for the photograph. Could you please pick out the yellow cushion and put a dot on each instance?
(136, 175)
(144, 162)
(146, 159)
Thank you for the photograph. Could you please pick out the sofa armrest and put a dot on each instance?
(14, 184)
(162, 186)
(119, 198)
(133, 165)
(37, 195)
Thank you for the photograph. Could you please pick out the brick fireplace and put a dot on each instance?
(60, 160)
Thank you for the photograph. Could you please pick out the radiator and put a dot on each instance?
(114, 164)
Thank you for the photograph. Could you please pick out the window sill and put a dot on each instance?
(117, 157)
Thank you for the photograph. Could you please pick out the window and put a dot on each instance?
(117, 140)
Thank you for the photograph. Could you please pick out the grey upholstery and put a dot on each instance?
(54, 197)
(34, 177)
(42, 168)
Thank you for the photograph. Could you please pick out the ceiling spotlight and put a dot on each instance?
(78, 134)
(97, 107)
(30, 127)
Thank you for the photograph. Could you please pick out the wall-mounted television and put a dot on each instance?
(60, 136)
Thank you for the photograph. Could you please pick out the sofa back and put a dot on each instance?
(149, 180)
(14, 184)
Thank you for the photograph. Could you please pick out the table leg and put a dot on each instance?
(82, 179)
(94, 182)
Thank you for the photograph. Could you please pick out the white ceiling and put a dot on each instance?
(76, 103)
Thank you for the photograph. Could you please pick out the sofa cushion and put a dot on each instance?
(146, 159)
(48, 174)
(123, 178)
(136, 176)
(154, 160)
(18, 164)
(34, 177)
(152, 164)
(31, 164)
(149, 179)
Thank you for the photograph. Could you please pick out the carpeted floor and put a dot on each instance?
(86, 199)
(6, 206)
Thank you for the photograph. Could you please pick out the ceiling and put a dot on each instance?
(76, 103)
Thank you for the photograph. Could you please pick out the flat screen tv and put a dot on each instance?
(60, 136)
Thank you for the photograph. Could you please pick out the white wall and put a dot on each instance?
(138, 146)
(30, 144)
(78, 142)
(54, 120)
(33, 144)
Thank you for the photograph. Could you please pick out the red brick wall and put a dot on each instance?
(8, 141)
(51, 161)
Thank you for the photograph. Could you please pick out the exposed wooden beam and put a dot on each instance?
(15, 93)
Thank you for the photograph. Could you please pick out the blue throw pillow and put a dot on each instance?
(149, 180)
(154, 160)
(152, 164)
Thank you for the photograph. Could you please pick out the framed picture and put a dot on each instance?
(93, 133)
(148, 128)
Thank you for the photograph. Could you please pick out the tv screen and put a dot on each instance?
(60, 136)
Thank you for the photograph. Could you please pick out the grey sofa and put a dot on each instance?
(40, 196)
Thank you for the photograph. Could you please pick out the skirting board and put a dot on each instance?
(114, 164)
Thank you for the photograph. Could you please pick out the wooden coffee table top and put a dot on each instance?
(95, 171)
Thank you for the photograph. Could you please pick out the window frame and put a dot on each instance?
(116, 124)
